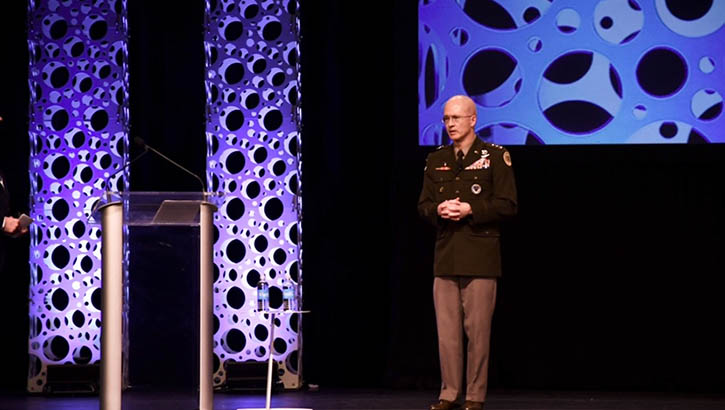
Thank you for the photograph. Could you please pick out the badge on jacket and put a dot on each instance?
(482, 163)
(476, 189)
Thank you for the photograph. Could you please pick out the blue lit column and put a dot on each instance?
(78, 133)
(253, 134)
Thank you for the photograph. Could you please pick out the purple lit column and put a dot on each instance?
(253, 135)
(78, 133)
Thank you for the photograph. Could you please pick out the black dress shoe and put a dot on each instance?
(444, 405)
(472, 405)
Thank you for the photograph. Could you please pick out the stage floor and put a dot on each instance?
(386, 399)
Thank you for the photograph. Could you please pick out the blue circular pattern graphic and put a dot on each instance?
(574, 72)
(618, 21)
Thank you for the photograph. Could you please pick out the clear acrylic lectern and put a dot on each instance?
(157, 274)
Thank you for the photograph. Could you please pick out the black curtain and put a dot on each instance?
(14, 153)
(167, 97)
(612, 270)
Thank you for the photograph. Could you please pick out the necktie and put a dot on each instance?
(459, 160)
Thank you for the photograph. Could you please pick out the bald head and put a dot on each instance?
(465, 102)
(459, 117)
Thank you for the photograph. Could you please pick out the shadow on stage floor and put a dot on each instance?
(384, 399)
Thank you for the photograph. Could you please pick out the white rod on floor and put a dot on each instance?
(271, 358)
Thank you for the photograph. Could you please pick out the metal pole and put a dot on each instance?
(112, 306)
(206, 272)
(271, 360)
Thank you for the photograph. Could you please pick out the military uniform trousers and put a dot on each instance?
(464, 303)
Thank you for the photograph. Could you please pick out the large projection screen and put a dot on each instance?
(575, 72)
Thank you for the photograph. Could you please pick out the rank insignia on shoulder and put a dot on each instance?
(507, 158)
(476, 189)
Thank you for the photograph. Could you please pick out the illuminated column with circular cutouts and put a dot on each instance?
(78, 127)
(253, 135)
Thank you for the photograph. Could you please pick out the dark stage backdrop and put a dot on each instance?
(14, 153)
(613, 269)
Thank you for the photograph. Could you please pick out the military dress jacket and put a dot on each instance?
(471, 246)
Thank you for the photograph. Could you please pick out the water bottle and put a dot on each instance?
(262, 295)
(288, 296)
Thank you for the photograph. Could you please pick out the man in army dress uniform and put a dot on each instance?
(468, 189)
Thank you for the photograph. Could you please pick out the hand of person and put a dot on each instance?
(443, 209)
(458, 210)
(454, 209)
(11, 226)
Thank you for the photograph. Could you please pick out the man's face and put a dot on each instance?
(459, 119)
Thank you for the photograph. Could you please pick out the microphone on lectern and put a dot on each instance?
(128, 164)
(140, 142)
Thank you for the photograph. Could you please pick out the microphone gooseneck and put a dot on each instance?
(140, 142)
(118, 171)
(128, 164)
